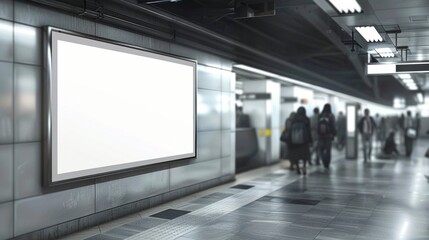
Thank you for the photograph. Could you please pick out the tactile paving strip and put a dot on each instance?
(187, 223)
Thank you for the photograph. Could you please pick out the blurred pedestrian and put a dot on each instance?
(315, 149)
(367, 128)
(327, 131)
(381, 132)
(288, 123)
(410, 133)
(300, 140)
(341, 131)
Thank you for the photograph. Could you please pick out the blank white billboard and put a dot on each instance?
(115, 107)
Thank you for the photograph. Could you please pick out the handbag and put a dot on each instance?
(284, 136)
(411, 133)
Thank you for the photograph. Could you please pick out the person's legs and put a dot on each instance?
(369, 148)
(408, 144)
(365, 148)
(317, 143)
(304, 168)
(328, 153)
(297, 166)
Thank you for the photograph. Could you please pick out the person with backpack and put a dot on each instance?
(327, 131)
(367, 127)
(299, 139)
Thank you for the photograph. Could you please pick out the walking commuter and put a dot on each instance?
(367, 128)
(288, 123)
(418, 124)
(327, 131)
(315, 149)
(381, 132)
(341, 131)
(410, 133)
(299, 140)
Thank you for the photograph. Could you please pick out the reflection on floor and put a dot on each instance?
(380, 200)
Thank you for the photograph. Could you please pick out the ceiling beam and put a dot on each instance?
(321, 21)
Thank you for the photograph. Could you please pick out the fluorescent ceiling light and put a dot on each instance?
(404, 76)
(420, 97)
(413, 88)
(346, 6)
(369, 33)
(385, 52)
(408, 80)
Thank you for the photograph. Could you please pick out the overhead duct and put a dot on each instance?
(254, 8)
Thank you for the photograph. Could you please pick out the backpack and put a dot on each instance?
(298, 133)
(324, 126)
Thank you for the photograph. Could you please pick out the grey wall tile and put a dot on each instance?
(228, 166)
(27, 103)
(209, 110)
(194, 173)
(6, 173)
(228, 162)
(209, 145)
(6, 103)
(6, 9)
(228, 81)
(6, 39)
(50, 209)
(28, 44)
(38, 16)
(119, 192)
(131, 38)
(28, 170)
(6, 220)
(226, 143)
(228, 109)
(209, 78)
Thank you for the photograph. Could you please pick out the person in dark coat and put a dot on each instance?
(300, 151)
(288, 123)
(326, 134)
(367, 127)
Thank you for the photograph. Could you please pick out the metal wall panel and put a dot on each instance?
(6, 102)
(119, 192)
(209, 146)
(184, 51)
(194, 173)
(131, 38)
(38, 16)
(6, 9)
(227, 110)
(228, 81)
(226, 143)
(6, 220)
(209, 78)
(6, 173)
(209, 110)
(6, 40)
(228, 166)
(28, 44)
(27, 103)
(28, 170)
(46, 210)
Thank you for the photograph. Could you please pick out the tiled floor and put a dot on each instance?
(386, 199)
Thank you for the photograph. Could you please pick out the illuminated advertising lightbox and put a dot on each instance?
(114, 107)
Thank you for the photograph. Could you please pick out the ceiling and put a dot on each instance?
(305, 39)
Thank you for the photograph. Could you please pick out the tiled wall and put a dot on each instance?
(26, 207)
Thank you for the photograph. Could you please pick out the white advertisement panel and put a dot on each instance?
(115, 107)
